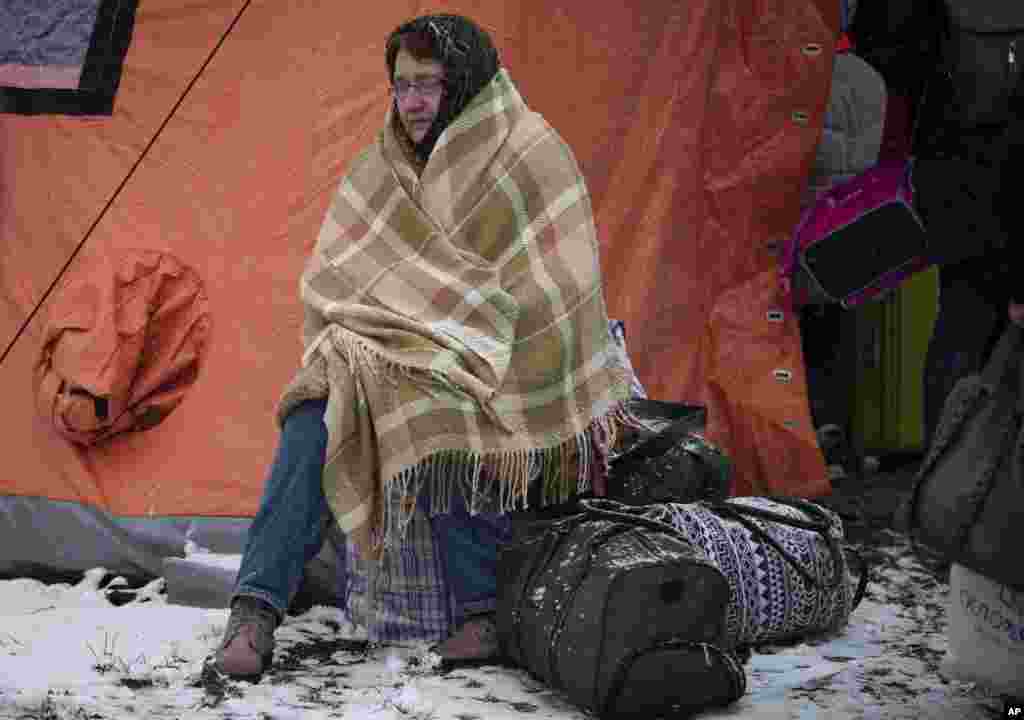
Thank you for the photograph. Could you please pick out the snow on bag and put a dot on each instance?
(986, 632)
(605, 606)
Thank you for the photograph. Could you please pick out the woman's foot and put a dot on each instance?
(248, 645)
(475, 643)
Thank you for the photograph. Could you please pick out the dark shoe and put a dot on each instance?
(842, 463)
(475, 643)
(248, 645)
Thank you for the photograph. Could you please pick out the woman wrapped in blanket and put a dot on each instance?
(457, 352)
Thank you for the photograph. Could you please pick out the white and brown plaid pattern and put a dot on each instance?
(460, 321)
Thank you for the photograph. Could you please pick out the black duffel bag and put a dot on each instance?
(619, 613)
(669, 461)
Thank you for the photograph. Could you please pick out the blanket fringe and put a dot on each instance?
(501, 481)
(355, 352)
(488, 481)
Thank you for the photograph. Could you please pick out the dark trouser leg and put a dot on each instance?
(469, 552)
(972, 315)
(828, 383)
(288, 529)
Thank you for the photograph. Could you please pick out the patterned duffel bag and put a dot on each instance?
(785, 561)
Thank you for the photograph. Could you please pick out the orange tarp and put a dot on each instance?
(123, 345)
(694, 122)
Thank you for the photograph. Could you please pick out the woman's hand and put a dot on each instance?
(1017, 313)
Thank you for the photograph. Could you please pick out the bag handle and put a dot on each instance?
(740, 513)
(554, 535)
(632, 514)
(1005, 358)
(822, 527)
(862, 584)
(681, 419)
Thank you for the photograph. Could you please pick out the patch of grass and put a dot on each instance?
(49, 709)
(322, 652)
(313, 695)
(413, 714)
(212, 636)
(174, 659)
(7, 640)
(215, 685)
(524, 707)
(107, 661)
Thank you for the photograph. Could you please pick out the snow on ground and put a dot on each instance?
(66, 652)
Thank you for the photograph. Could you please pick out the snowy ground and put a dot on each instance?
(68, 652)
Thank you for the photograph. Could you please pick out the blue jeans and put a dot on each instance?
(469, 555)
(289, 528)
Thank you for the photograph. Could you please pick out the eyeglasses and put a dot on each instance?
(430, 87)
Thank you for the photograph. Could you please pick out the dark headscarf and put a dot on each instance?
(470, 62)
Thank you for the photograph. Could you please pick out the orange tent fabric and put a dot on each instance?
(694, 121)
(707, 185)
(122, 345)
(752, 393)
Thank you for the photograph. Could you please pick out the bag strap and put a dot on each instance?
(668, 410)
(822, 528)
(1020, 388)
(558, 627)
(554, 535)
(862, 584)
(1005, 358)
(631, 514)
(739, 513)
(682, 420)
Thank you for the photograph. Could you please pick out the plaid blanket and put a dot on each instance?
(455, 319)
(410, 601)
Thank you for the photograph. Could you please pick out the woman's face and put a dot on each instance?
(418, 88)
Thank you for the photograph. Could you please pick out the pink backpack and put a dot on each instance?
(860, 239)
